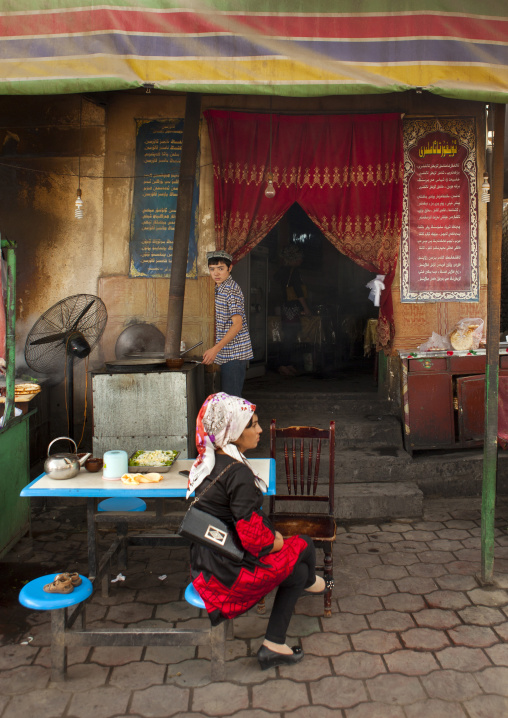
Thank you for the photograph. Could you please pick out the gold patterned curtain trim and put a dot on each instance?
(316, 177)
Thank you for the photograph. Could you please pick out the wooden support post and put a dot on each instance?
(10, 334)
(494, 242)
(182, 225)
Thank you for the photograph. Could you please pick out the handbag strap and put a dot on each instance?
(213, 482)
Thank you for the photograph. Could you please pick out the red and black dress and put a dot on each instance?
(230, 588)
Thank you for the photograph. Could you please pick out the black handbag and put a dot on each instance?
(203, 528)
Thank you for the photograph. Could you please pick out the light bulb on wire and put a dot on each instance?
(78, 212)
(270, 189)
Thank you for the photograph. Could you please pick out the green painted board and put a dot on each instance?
(14, 476)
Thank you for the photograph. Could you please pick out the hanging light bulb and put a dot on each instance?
(78, 212)
(270, 189)
(485, 188)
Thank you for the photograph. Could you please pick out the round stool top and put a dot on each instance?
(122, 505)
(32, 595)
(193, 597)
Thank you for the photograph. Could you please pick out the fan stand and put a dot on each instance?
(69, 390)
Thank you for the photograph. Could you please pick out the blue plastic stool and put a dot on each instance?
(193, 597)
(218, 635)
(33, 596)
(121, 505)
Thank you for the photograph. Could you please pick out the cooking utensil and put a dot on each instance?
(138, 339)
(190, 348)
(63, 465)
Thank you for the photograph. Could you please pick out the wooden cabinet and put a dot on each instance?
(443, 400)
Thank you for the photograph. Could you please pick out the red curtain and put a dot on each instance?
(345, 171)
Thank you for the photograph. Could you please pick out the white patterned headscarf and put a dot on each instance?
(221, 420)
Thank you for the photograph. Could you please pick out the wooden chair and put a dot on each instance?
(302, 447)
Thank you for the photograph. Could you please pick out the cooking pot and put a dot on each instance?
(64, 466)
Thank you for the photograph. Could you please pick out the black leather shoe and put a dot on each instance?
(269, 659)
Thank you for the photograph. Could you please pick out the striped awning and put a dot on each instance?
(453, 48)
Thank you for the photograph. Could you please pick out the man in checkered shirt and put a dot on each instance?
(233, 348)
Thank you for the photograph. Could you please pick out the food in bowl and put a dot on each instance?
(144, 461)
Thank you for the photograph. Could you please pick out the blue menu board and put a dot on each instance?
(157, 171)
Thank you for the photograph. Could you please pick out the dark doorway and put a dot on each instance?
(329, 344)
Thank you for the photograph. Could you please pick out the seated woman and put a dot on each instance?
(227, 427)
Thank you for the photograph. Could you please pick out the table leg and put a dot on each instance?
(92, 538)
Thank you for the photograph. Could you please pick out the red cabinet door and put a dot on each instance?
(471, 400)
(431, 420)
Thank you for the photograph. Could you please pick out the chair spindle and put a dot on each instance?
(316, 471)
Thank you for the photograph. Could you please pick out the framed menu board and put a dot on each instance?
(157, 173)
(439, 250)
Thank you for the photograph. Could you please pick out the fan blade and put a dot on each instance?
(74, 326)
(50, 338)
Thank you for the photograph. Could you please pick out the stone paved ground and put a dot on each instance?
(412, 634)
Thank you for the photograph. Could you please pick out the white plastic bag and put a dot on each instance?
(435, 343)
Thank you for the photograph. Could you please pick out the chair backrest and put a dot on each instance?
(303, 448)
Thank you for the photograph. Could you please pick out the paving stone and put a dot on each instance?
(146, 674)
(234, 649)
(12, 656)
(396, 527)
(460, 524)
(18, 679)
(346, 623)
(482, 616)
(161, 701)
(436, 618)
(78, 654)
(428, 525)
(468, 554)
(433, 708)
(488, 597)
(360, 604)
(188, 674)
(390, 621)
(456, 583)
(250, 626)
(494, 680)
(399, 558)
(445, 545)
(462, 658)
(176, 611)
(411, 547)
(411, 584)
(426, 570)
(420, 535)
(328, 644)
(375, 642)
(307, 712)
(386, 537)
(453, 534)
(392, 688)
(376, 587)
(371, 709)
(473, 636)
(341, 551)
(116, 655)
(302, 625)
(473, 542)
(375, 547)
(451, 685)
(337, 692)
(487, 707)
(502, 631)
(350, 539)
(411, 663)
(498, 654)
(403, 602)
(387, 572)
(464, 568)
(358, 665)
(129, 613)
(118, 594)
(436, 556)
(454, 600)
(280, 695)
(313, 605)
(83, 677)
(46, 703)
(316, 667)
(424, 639)
(362, 560)
(100, 703)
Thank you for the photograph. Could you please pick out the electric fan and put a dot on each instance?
(66, 332)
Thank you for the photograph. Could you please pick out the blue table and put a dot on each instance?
(92, 487)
